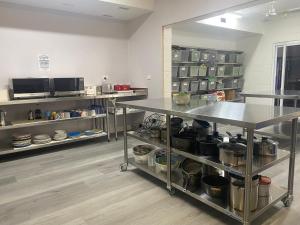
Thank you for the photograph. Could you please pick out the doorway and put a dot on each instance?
(287, 70)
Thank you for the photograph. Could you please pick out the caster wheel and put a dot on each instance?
(172, 192)
(123, 167)
(287, 201)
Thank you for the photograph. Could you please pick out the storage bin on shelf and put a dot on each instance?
(185, 86)
(175, 86)
(176, 55)
(221, 58)
(202, 70)
(185, 53)
(194, 86)
(175, 71)
(212, 71)
(202, 85)
(194, 71)
(183, 71)
(195, 55)
(211, 85)
(221, 71)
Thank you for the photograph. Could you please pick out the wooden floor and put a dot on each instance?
(82, 185)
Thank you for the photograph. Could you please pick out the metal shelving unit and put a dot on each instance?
(104, 99)
(237, 114)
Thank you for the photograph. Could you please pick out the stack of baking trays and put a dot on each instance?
(22, 140)
(41, 139)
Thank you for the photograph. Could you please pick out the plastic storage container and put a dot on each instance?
(183, 71)
(195, 55)
(194, 86)
(184, 86)
(175, 86)
(185, 53)
(211, 85)
(221, 58)
(202, 70)
(228, 71)
(212, 57)
(220, 85)
(175, 71)
(241, 83)
(236, 71)
(212, 71)
(204, 57)
(194, 71)
(221, 71)
(232, 58)
(176, 55)
(203, 85)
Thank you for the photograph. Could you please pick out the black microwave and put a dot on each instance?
(30, 88)
(68, 86)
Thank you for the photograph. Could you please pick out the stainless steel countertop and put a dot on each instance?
(75, 98)
(237, 114)
(288, 94)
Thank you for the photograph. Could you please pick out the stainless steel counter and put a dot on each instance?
(75, 98)
(237, 114)
(289, 94)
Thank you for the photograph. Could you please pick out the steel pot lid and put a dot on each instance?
(233, 145)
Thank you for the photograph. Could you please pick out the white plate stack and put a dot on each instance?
(20, 141)
(60, 135)
(41, 139)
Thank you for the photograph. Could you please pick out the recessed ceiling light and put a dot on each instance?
(123, 8)
(68, 4)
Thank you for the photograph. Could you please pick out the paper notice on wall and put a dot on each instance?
(44, 62)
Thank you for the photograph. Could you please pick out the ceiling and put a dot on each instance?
(123, 10)
(259, 12)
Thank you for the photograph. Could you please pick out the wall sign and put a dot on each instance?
(44, 62)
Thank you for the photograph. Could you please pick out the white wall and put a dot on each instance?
(260, 55)
(77, 46)
(183, 38)
(145, 43)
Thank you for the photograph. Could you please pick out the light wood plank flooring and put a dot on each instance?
(82, 185)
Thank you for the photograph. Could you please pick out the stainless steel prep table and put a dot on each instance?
(243, 115)
(275, 130)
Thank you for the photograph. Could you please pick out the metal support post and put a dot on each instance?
(168, 152)
(107, 120)
(125, 164)
(289, 198)
(248, 176)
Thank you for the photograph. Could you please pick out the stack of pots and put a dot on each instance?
(192, 174)
(232, 153)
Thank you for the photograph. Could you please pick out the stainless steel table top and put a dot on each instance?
(288, 94)
(237, 114)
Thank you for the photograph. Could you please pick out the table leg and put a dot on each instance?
(125, 164)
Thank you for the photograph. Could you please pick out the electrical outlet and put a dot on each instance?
(148, 77)
(105, 77)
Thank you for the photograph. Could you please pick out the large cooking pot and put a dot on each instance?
(216, 186)
(266, 147)
(208, 147)
(141, 153)
(232, 153)
(176, 125)
(192, 174)
(237, 192)
(184, 140)
(201, 127)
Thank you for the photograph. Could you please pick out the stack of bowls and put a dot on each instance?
(41, 139)
(20, 141)
(60, 135)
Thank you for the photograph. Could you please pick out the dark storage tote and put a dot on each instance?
(175, 86)
(183, 71)
(212, 71)
(185, 86)
(221, 58)
(202, 85)
(194, 86)
(220, 85)
(185, 53)
(176, 55)
(211, 85)
(174, 71)
(221, 71)
(236, 71)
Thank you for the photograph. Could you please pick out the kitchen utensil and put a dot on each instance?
(201, 127)
(2, 118)
(192, 173)
(209, 170)
(184, 140)
(38, 114)
(237, 193)
(30, 115)
(208, 147)
(267, 147)
(215, 186)
(232, 153)
(161, 162)
(141, 152)
(182, 98)
(264, 186)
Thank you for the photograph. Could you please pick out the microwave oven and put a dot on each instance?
(68, 86)
(30, 88)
